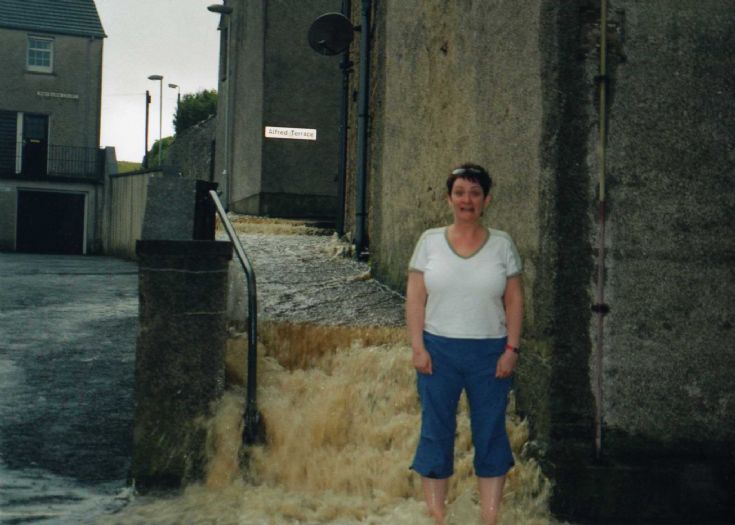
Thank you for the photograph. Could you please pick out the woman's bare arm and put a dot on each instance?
(415, 312)
(513, 303)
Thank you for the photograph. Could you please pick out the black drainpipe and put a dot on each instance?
(362, 129)
(346, 67)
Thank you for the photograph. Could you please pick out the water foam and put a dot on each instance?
(341, 427)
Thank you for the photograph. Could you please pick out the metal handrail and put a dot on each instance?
(253, 431)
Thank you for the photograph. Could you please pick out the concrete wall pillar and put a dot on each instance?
(179, 366)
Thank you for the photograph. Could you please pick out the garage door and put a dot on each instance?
(50, 222)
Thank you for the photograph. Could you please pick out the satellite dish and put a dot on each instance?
(331, 34)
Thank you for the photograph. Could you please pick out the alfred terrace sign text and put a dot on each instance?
(273, 132)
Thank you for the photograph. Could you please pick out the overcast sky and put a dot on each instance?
(174, 38)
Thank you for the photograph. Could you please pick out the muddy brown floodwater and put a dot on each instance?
(337, 394)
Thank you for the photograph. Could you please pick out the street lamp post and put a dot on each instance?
(178, 101)
(178, 93)
(147, 112)
(219, 8)
(160, 118)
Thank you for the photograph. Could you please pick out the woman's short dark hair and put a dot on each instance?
(472, 173)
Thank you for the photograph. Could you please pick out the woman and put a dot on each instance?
(464, 309)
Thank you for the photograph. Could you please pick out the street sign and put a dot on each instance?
(273, 132)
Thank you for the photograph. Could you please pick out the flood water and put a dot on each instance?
(67, 340)
(340, 436)
(339, 404)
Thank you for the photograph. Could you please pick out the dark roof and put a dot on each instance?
(64, 17)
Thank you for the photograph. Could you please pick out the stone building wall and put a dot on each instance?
(440, 97)
(514, 86)
(275, 79)
(671, 238)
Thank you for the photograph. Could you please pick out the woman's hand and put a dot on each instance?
(421, 361)
(506, 364)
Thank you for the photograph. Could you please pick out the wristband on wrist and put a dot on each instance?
(514, 349)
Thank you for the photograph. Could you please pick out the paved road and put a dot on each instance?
(67, 345)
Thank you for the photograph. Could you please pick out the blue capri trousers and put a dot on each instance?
(463, 364)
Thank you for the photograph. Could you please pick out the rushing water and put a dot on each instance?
(341, 433)
(339, 404)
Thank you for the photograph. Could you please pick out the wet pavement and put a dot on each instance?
(304, 279)
(67, 346)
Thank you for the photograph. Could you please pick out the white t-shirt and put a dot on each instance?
(465, 294)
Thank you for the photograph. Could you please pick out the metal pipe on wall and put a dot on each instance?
(362, 129)
(346, 67)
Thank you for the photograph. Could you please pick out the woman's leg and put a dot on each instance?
(435, 494)
(488, 399)
(491, 494)
(439, 393)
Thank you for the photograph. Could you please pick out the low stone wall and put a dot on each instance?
(192, 152)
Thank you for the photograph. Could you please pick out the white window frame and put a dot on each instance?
(40, 68)
(19, 144)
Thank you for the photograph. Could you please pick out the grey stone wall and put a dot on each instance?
(447, 96)
(303, 91)
(179, 358)
(442, 97)
(672, 243)
(242, 93)
(190, 154)
(169, 209)
(512, 85)
(276, 79)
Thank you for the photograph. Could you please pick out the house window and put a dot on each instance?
(40, 54)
